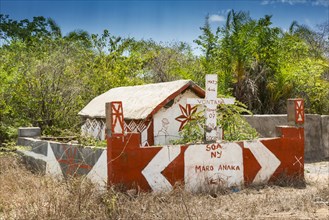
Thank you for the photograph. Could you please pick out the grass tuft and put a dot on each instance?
(27, 195)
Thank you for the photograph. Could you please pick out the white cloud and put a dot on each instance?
(321, 3)
(294, 2)
(216, 18)
(266, 2)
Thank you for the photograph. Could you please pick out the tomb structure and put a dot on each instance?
(156, 111)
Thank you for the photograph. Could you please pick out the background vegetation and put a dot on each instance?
(47, 77)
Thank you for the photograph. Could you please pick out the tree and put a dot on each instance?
(113, 64)
(42, 74)
(258, 63)
(163, 62)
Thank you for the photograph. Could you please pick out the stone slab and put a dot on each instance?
(29, 132)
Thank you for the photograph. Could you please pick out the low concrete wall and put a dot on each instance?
(316, 132)
(325, 135)
(63, 160)
(266, 124)
(313, 138)
(206, 166)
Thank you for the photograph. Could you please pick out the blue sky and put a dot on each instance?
(164, 21)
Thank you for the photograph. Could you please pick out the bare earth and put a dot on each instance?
(24, 195)
(317, 171)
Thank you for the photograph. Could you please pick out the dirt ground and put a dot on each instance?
(24, 195)
(317, 171)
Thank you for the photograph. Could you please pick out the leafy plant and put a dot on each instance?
(229, 117)
(91, 141)
(193, 131)
(235, 127)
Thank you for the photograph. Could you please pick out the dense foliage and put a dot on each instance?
(230, 119)
(262, 65)
(46, 77)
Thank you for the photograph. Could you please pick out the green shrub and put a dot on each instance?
(229, 117)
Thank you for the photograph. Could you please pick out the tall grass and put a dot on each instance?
(26, 195)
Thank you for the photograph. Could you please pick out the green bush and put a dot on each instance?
(229, 117)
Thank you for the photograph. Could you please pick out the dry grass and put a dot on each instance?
(24, 195)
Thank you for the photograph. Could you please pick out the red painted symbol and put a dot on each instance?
(117, 125)
(70, 160)
(299, 111)
(186, 115)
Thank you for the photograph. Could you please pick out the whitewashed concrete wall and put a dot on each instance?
(166, 125)
(316, 132)
(94, 127)
(62, 160)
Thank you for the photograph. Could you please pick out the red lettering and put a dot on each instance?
(228, 167)
(214, 146)
(197, 168)
(213, 154)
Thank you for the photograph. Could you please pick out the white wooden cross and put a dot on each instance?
(210, 102)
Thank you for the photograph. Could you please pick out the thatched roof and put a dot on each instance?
(141, 101)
